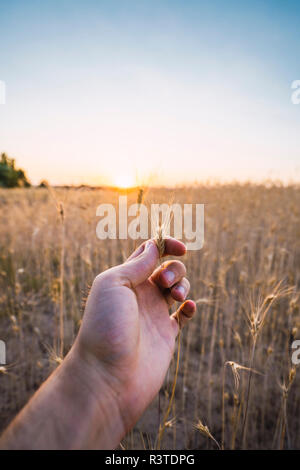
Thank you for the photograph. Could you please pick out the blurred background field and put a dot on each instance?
(49, 255)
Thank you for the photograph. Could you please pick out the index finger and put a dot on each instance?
(172, 247)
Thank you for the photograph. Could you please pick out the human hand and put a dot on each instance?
(118, 361)
(127, 335)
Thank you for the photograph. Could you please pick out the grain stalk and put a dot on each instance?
(139, 201)
(235, 368)
(285, 388)
(61, 281)
(161, 233)
(256, 321)
(60, 209)
(203, 429)
(166, 415)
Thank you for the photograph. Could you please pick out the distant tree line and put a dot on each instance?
(10, 176)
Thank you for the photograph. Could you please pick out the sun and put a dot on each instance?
(124, 181)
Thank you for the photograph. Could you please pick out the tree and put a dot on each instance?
(10, 176)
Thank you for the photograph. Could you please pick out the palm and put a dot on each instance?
(136, 338)
(128, 329)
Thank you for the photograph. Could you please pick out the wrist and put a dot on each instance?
(95, 401)
(73, 409)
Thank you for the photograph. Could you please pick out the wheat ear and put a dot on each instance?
(160, 243)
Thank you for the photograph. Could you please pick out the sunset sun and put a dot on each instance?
(124, 181)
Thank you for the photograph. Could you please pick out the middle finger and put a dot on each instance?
(169, 274)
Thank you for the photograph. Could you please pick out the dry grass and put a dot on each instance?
(245, 317)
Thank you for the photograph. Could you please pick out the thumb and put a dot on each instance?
(136, 270)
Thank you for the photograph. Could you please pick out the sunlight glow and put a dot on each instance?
(124, 181)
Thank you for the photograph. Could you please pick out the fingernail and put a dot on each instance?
(148, 244)
(181, 290)
(169, 277)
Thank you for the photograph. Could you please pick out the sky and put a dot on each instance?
(98, 92)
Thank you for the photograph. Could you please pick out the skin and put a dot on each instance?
(118, 361)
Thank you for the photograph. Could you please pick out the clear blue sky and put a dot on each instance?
(183, 89)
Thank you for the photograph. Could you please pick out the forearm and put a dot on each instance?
(72, 410)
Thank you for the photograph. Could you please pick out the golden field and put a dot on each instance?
(49, 255)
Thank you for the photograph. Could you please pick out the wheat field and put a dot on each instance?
(236, 387)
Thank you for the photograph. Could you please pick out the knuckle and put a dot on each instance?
(106, 277)
(177, 266)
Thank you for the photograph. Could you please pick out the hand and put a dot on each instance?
(118, 361)
(127, 333)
